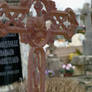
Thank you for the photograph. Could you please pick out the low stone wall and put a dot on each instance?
(55, 84)
(64, 85)
(65, 51)
(84, 62)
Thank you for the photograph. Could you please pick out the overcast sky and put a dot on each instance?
(74, 4)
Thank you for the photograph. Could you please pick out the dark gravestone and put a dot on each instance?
(10, 59)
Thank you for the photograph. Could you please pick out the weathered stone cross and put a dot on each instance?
(87, 45)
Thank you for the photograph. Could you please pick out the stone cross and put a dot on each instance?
(87, 45)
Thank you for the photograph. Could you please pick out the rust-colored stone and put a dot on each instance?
(36, 34)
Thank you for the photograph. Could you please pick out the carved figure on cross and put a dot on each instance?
(35, 33)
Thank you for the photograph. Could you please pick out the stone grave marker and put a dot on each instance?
(86, 59)
(87, 46)
(10, 59)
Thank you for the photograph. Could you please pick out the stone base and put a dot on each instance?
(53, 63)
(15, 87)
(84, 62)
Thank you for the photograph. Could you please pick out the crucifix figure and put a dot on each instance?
(35, 33)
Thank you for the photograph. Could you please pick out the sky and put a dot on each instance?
(62, 4)
(74, 4)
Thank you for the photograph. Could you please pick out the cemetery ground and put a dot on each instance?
(56, 81)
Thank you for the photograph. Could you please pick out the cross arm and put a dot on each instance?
(4, 31)
(16, 29)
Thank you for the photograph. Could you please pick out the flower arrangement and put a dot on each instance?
(49, 73)
(67, 69)
(76, 53)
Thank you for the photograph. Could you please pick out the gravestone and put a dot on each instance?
(17, 68)
(86, 58)
(87, 45)
(10, 59)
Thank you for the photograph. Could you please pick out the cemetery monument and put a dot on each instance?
(35, 33)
